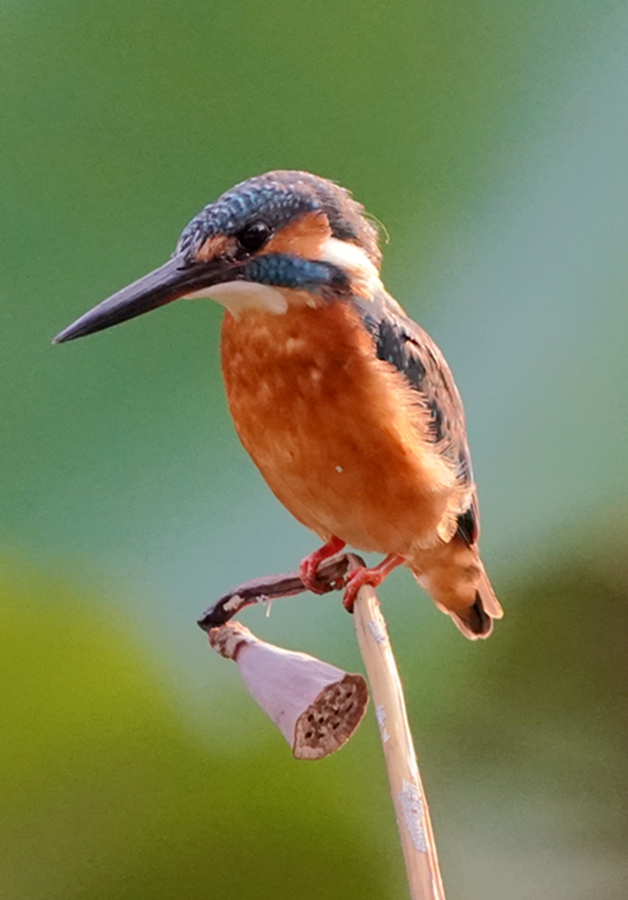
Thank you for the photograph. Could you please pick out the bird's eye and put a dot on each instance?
(254, 236)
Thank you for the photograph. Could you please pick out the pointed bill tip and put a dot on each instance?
(64, 336)
(91, 322)
(169, 282)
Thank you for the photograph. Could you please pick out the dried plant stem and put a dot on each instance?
(413, 818)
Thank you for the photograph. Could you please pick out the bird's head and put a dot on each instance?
(269, 238)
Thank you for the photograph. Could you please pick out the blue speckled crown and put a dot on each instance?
(279, 198)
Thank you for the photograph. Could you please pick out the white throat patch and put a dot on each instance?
(237, 296)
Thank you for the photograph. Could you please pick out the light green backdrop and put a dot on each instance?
(491, 139)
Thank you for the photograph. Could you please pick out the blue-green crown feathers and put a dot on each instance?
(279, 198)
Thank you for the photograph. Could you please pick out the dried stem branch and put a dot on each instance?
(330, 576)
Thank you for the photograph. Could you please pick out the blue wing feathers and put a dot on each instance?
(401, 342)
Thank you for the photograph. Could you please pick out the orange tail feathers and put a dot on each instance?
(454, 577)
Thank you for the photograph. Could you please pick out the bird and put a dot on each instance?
(346, 405)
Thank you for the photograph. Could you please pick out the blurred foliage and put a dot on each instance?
(490, 138)
(105, 791)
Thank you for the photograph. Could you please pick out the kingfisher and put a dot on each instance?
(346, 406)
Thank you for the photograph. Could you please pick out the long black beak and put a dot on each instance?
(169, 282)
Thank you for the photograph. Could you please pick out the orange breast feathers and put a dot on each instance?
(339, 436)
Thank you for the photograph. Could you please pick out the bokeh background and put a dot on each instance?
(491, 138)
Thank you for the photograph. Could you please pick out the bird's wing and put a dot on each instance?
(404, 344)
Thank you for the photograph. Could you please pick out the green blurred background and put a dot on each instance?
(491, 138)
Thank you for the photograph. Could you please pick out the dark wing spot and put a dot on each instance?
(467, 528)
(396, 347)
(437, 420)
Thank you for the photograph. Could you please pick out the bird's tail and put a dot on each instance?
(454, 576)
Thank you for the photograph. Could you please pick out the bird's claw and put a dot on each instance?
(365, 575)
(309, 566)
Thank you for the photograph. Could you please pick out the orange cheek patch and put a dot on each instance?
(214, 247)
(304, 237)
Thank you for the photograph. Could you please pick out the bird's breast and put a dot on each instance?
(338, 434)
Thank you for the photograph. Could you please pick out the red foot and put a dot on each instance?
(373, 576)
(309, 565)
